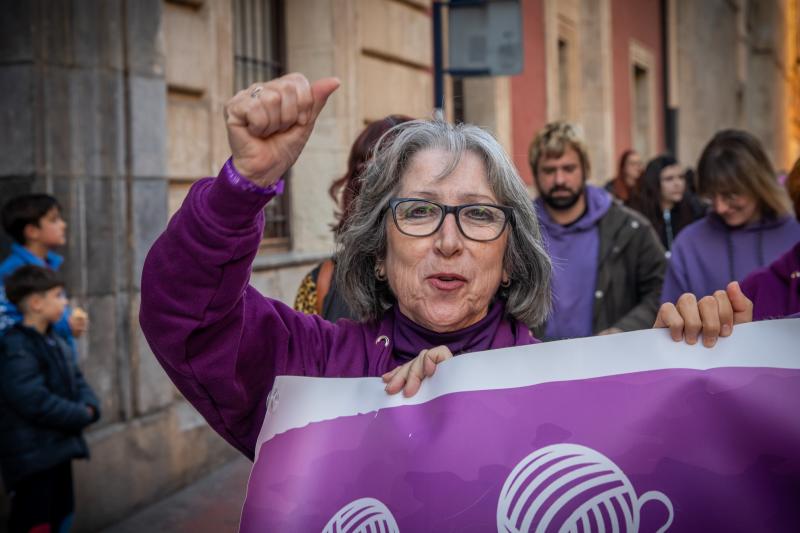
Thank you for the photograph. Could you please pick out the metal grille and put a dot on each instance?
(259, 56)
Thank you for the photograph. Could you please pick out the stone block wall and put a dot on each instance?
(84, 111)
(737, 76)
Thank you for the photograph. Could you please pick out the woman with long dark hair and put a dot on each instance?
(317, 293)
(663, 197)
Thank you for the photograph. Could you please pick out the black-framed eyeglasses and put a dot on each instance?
(478, 222)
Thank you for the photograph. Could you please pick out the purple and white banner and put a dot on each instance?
(630, 432)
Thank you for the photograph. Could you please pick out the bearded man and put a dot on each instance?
(608, 263)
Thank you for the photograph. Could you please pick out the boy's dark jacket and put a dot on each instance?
(43, 399)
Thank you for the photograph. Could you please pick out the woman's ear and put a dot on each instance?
(380, 270)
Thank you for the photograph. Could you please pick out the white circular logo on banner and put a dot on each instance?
(365, 515)
(576, 481)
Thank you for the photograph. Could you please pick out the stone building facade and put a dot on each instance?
(659, 75)
(115, 107)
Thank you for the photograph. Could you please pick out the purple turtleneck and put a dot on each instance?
(223, 343)
(494, 330)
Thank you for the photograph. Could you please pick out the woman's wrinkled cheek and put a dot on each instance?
(404, 264)
(404, 282)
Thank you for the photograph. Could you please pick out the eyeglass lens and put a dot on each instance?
(420, 218)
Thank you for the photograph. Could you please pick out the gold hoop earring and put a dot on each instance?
(380, 275)
(505, 283)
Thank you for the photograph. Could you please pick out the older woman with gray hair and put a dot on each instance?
(426, 285)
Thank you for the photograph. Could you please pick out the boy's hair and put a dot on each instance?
(30, 279)
(23, 210)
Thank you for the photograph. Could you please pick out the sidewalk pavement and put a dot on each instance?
(211, 504)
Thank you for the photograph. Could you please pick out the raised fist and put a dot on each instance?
(269, 124)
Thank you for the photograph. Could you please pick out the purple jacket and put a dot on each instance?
(708, 254)
(223, 343)
(775, 290)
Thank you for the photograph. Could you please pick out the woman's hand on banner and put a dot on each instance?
(710, 317)
(409, 376)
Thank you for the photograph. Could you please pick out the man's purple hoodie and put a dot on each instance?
(574, 250)
(708, 254)
(223, 343)
(775, 290)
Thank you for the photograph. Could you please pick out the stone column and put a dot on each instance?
(84, 117)
(767, 113)
(711, 89)
(597, 88)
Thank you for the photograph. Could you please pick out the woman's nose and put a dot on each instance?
(720, 206)
(449, 238)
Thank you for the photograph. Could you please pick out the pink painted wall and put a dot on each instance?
(630, 19)
(639, 20)
(528, 97)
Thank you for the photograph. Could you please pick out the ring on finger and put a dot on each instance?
(256, 91)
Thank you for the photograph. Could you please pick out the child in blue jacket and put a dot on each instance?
(44, 405)
(35, 224)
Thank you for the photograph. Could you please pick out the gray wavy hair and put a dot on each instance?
(362, 243)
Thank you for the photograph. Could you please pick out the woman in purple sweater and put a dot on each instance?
(750, 224)
(426, 285)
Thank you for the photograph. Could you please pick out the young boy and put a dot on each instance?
(44, 405)
(34, 223)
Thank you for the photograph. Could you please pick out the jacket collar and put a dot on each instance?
(52, 260)
(33, 332)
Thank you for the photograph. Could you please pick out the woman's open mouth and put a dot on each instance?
(446, 281)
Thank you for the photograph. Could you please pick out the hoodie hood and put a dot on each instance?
(757, 229)
(597, 203)
(763, 224)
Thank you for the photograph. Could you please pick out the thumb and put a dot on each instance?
(741, 304)
(320, 91)
(439, 354)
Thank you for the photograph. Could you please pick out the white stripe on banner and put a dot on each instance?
(298, 401)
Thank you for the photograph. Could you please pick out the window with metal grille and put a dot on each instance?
(258, 38)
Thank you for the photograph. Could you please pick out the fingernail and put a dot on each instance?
(726, 329)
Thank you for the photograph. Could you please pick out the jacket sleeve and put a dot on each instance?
(306, 299)
(650, 265)
(220, 341)
(86, 395)
(23, 387)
